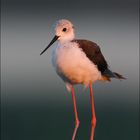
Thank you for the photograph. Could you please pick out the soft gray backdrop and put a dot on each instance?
(35, 103)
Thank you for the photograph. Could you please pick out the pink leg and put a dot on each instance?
(76, 114)
(93, 121)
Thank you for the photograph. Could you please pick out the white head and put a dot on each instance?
(64, 31)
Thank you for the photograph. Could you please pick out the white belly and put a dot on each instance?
(73, 66)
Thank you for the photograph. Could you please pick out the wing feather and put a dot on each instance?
(93, 52)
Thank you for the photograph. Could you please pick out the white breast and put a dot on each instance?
(72, 64)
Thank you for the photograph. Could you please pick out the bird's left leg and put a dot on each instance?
(93, 121)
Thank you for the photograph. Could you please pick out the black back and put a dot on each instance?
(93, 52)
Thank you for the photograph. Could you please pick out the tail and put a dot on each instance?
(107, 74)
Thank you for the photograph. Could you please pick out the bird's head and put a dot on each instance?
(64, 31)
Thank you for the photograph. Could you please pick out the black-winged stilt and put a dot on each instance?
(79, 61)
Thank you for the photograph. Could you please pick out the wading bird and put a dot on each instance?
(78, 61)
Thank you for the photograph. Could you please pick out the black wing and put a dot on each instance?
(93, 52)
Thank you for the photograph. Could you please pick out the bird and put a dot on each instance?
(78, 61)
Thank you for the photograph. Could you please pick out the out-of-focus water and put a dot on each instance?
(40, 121)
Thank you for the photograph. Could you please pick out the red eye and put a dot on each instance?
(64, 29)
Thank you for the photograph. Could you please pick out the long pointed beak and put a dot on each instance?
(53, 40)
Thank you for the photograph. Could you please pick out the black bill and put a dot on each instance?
(53, 40)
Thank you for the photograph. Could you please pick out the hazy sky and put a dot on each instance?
(27, 29)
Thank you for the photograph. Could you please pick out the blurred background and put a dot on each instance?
(34, 101)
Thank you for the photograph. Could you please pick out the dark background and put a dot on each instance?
(35, 102)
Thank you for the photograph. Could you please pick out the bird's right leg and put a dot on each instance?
(93, 121)
(77, 122)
